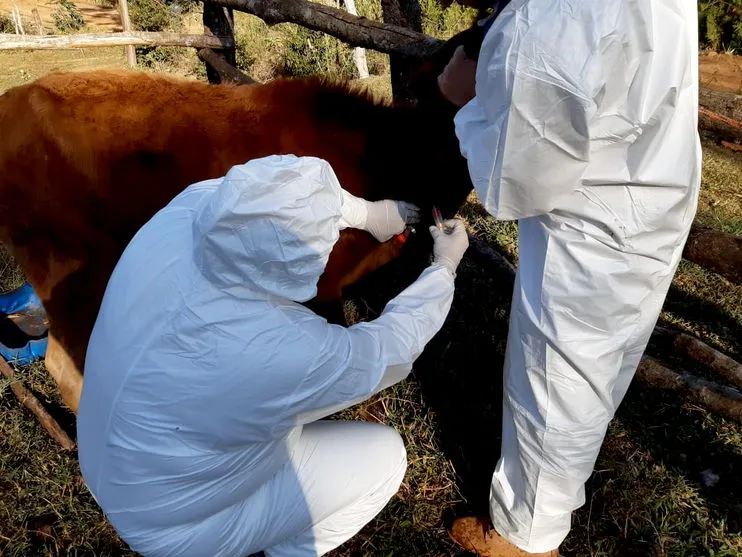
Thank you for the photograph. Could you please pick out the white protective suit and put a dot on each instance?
(201, 373)
(584, 128)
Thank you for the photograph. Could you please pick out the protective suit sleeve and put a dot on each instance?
(526, 133)
(354, 211)
(359, 361)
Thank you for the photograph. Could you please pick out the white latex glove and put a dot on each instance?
(449, 248)
(383, 219)
(387, 218)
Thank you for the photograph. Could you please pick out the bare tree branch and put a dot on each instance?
(227, 72)
(32, 403)
(356, 31)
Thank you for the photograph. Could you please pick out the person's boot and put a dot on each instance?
(476, 535)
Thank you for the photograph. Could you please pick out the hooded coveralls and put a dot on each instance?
(203, 371)
(583, 128)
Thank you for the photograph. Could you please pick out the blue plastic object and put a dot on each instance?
(24, 309)
(19, 300)
(32, 351)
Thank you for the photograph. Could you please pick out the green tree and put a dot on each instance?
(720, 24)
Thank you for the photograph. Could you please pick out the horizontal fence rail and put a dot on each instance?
(135, 38)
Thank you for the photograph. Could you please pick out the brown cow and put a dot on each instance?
(87, 158)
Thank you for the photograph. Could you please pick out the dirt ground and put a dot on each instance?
(99, 17)
(722, 72)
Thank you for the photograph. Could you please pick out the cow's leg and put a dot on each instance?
(64, 371)
(379, 256)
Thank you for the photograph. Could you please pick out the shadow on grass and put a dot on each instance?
(634, 505)
(687, 441)
(460, 371)
(648, 493)
(705, 313)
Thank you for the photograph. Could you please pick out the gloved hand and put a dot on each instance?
(387, 218)
(449, 248)
(457, 82)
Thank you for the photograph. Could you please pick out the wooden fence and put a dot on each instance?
(396, 36)
(216, 47)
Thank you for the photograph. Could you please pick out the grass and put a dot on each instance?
(650, 494)
(11, 276)
(21, 66)
(44, 507)
(720, 205)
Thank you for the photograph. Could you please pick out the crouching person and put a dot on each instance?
(204, 380)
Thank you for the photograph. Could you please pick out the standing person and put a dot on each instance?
(580, 121)
(204, 378)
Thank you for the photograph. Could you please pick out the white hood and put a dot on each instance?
(270, 227)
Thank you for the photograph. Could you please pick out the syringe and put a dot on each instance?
(438, 219)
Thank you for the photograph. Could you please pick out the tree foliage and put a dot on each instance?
(67, 18)
(720, 24)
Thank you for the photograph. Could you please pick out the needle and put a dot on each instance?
(439, 221)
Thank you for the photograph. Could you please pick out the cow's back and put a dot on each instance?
(87, 158)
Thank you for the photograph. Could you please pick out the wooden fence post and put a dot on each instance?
(131, 53)
(39, 23)
(16, 13)
(219, 20)
(405, 13)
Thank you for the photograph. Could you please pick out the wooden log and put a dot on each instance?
(356, 31)
(140, 38)
(131, 55)
(716, 251)
(219, 21)
(699, 351)
(726, 104)
(723, 126)
(736, 147)
(227, 73)
(32, 403)
(717, 398)
(720, 400)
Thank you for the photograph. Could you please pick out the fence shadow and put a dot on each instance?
(460, 373)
